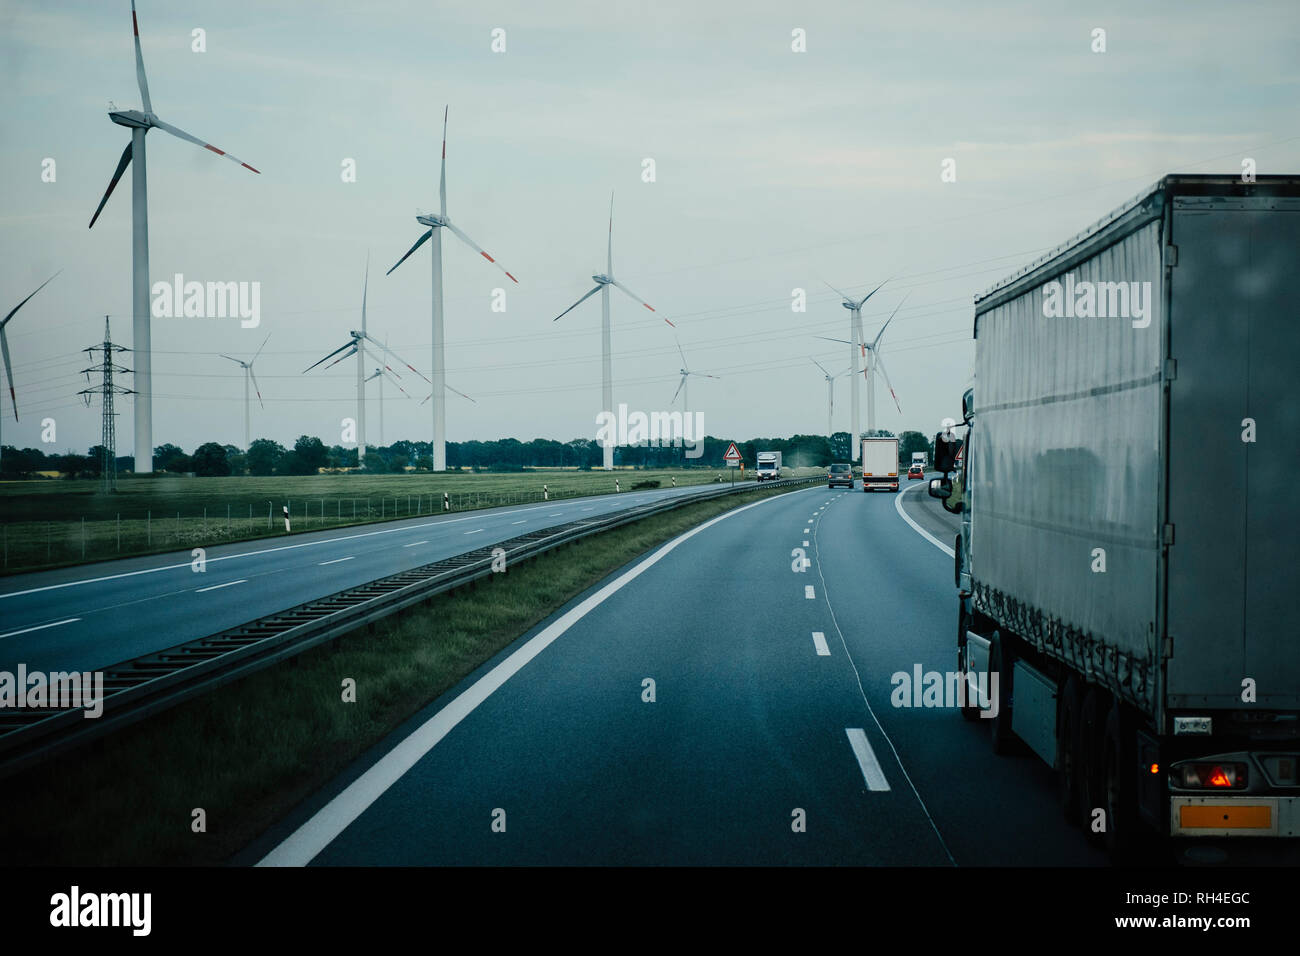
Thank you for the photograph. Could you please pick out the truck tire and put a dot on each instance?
(1000, 663)
(1123, 837)
(1067, 749)
(970, 710)
(1092, 727)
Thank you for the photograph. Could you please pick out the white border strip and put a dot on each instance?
(898, 506)
(871, 772)
(307, 842)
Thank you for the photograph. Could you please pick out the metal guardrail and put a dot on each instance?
(147, 685)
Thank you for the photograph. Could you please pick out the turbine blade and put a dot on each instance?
(112, 183)
(609, 243)
(442, 180)
(628, 291)
(881, 365)
(679, 389)
(394, 378)
(820, 366)
(232, 358)
(461, 394)
(876, 341)
(139, 62)
(351, 344)
(347, 355)
(181, 134)
(836, 291)
(682, 354)
(257, 388)
(477, 248)
(5, 320)
(873, 292)
(576, 304)
(418, 243)
(259, 349)
(9, 372)
(829, 339)
(365, 288)
(388, 351)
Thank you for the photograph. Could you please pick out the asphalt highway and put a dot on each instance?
(716, 702)
(92, 616)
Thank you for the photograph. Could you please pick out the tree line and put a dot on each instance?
(309, 455)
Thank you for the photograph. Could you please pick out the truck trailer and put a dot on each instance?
(880, 464)
(1127, 561)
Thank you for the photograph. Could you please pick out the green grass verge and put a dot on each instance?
(249, 752)
(45, 524)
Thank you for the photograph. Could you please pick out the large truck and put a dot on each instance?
(768, 466)
(920, 458)
(1127, 561)
(880, 464)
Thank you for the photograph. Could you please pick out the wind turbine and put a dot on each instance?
(248, 374)
(381, 373)
(139, 123)
(873, 361)
(684, 386)
(4, 348)
(830, 393)
(356, 345)
(436, 224)
(603, 282)
(855, 309)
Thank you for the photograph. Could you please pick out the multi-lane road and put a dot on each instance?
(92, 616)
(719, 701)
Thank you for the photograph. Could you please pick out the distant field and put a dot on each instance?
(51, 523)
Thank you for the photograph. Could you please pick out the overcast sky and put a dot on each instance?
(774, 170)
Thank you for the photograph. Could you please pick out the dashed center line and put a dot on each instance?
(414, 543)
(871, 772)
(819, 640)
(337, 560)
(40, 627)
(805, 544)
(808, 592)
(218, 587)
(525, 521)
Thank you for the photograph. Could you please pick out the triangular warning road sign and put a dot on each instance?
(733, 453)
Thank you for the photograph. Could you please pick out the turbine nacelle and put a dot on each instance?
(431, 220)
(602, 280)
(135, 119)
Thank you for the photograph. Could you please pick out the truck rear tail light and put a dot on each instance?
(1210, 775)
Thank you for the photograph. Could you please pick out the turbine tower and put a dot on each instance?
(436, 224)
(603, 282)
(248, 374)
(830, 394)
(872, 362)
(855, 309)
(139, 123)
(356, 345)
(4, 349)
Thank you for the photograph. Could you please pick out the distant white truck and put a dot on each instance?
(919, 458)
(769, 466)
(880, 464)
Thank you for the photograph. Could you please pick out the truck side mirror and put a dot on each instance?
(946, 446)
(940, 488)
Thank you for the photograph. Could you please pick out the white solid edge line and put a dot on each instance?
(898, 506)
(217, 587)
(819, 641)
(336, 560)
(306, 843)
(38, 627)
(871, 772)
(286, 547)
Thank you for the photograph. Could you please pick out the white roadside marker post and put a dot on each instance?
(286, 519)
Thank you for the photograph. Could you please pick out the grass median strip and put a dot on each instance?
(248, 753)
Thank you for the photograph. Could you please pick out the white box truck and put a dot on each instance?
(1127, 561)
(880, 464)
(920, 458)
(768, 466)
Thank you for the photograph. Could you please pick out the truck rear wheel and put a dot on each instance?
(1067, 749)
(1092, 718)
(1000, 663)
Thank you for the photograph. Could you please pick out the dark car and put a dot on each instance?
(840, 474)
(916, 471)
